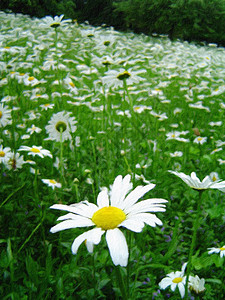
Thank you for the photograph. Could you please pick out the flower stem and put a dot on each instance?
(121, 283)
(193, 242)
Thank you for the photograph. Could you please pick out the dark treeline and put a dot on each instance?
(192, 20)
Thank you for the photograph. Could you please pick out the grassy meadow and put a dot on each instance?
(80, 105)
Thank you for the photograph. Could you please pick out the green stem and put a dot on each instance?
(63, 181)
(121, 283)
(29, 237)
(193, 242)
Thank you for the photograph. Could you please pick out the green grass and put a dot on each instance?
(111, 139)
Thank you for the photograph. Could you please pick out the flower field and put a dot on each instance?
(112, 163)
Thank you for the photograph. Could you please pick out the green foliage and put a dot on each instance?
(199, 20)
(192, 20)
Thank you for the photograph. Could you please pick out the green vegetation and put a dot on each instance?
(191, 20)
(81, 105)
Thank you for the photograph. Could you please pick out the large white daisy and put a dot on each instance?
(60, 126)
(113, 210)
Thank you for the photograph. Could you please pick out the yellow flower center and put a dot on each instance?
(107, 43)
(60, 126)
(123, 75)
(177, 279)
(106, 63)
(0, 114)
(2, 154)
(55, 24)
(108, 217)
(72, 84)
(35, 150)
(30, 78)
(52, 181)
(222, 248)
(199, 139)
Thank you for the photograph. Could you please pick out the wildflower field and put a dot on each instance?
(112, 163)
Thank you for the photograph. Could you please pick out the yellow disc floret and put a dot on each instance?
(2, 154)
(52, 181)
(222, 248)
(108, 217)
(35, 150)
(123, 75)
(177, 280)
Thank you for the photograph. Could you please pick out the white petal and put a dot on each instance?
(136, 194)
(133, 225)
(117, 247)
(84, 208)
(148, 218)
(181, 289)
(149, 205)
(165, 282)
(119, 189)
(103, 199)
(79, 220)
(70, 224)
(92, 236)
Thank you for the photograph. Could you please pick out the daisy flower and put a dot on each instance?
(33, 129)
(69, 83)
(30, 80)
(116, 78)
(47, 106)
(176, 154)
(52, 183)
(194, 182)
(60, 126)
(54, 22)
(14, 161)
(175, 279)
(36, 150)
(5, 116)
(113, 210)
(221, 251)
(196, 284)
(4, 154)
(200, 140)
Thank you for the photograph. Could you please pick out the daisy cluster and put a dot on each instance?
(81, 104)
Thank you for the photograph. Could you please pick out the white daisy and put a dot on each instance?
(116, 78)
(30, 80)
(54, 22)
(60, 127)
(221, 251)
(5, 116)
(36, 150)
(176, 154)
(47, 106)
(175, 279)
(113, 210)
(200, 140)
(4, 154)
(52, 183)
(33, 129)
(196, 284)
(14, 161)
(194, 182)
